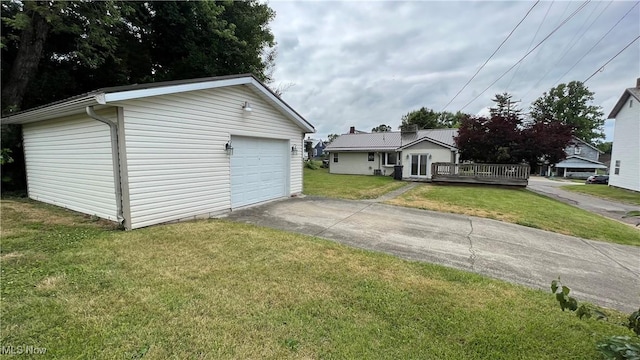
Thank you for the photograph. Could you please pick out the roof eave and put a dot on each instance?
(620, 103)
(71, 107)
(261, 89)
(111, 96)
(364, 149)
(589, 145)
(583, 159)
(433, 141)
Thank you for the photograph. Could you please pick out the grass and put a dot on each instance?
(355, 187)
(606, 192)
(519, 206)
(221, 290)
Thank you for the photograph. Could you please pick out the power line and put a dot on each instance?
(531, 43)
(485, 63)
(598, 42)
(561, 17)
(601, 68)
(527, 54)
(573, 43)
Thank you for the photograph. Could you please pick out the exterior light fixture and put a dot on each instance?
(294, 150)
(247, 107)
(228, 148)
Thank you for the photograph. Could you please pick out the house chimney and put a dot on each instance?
(352, 130)
(638, 83)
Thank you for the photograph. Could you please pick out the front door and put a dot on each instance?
(419, 165)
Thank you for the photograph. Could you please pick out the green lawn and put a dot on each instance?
(221, 290)
(606, 192)
(519, 206)
(320, 182)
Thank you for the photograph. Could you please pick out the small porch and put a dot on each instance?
(491, 174)
(575, 167)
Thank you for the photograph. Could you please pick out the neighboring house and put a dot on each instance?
(583, 160)
(152, 153)
(318, 149)
(379, 153)
(625, 155)
(317, 146)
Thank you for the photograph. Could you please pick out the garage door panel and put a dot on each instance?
(258, 170)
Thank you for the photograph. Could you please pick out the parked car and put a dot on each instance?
(597, 179)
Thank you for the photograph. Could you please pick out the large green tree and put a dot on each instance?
(505, 137)
(56, 49)
(571, 104)
(425, 118)
(381, 128)
(505, 106)
(331, 137)
(52, 50)
(78, 33)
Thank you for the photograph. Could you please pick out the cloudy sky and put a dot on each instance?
(365, 63)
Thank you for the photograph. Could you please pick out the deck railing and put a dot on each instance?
(480, 173)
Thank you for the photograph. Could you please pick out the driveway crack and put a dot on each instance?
(341, 220)
(473, 256)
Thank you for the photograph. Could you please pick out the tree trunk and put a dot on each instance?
(25, 65)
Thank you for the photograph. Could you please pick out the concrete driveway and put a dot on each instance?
(611, 209)
(603, 273)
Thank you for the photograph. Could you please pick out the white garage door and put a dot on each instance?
(258, 170)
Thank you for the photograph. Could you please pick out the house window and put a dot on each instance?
(390, 158)
(631, 103)
(335, 157)
(617, 169)
(370, 157)
(576, 150)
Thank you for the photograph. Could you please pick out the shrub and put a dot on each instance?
(311, 165)
(620, 348)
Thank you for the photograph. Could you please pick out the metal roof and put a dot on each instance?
(392, 140)
(580, 162)
(635, 92)
(109, 95)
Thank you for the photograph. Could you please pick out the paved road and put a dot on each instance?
(610, 209)
(603, 273)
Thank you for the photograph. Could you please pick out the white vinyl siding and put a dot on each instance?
(177, 163)
(69, 164)
(437, 152)
(356, 163)
(626, 149)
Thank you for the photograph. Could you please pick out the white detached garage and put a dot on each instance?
(152, 153)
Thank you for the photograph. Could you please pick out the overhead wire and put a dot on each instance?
(491, 56)
(561, 17)
(573, 42)
(529, 52)
(530, 44)
(597, 42)
(601, 68)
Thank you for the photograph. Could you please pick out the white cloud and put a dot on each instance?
(364, 63)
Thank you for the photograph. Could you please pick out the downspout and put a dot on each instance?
(113, 127)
